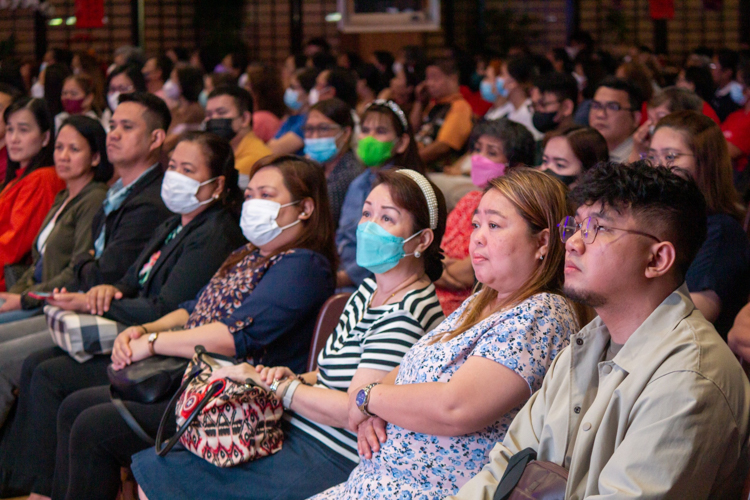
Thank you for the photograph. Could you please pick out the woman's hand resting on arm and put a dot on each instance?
(100, 297)
(122, 354)
(370, 435)
(70, 301)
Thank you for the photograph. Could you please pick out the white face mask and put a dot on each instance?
(258, 220)
(243, 80)
(314, 96)
(171, 90)
(113, 99)
(37, 90)
(178, 192)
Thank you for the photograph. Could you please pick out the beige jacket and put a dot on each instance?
(666, 418)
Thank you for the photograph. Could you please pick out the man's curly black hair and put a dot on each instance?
(666, 205)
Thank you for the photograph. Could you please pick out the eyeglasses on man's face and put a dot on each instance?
(590, 227)
(608, 107)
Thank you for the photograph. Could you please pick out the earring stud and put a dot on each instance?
(417, 254)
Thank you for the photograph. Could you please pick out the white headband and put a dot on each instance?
(427, 191)
(393, 107)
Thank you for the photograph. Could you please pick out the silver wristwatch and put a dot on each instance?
(363, 398)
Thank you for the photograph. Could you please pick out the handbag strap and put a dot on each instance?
(128, 417)
(513, 472)
(213, 389)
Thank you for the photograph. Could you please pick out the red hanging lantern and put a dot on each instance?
(661, 9)
(89, 13)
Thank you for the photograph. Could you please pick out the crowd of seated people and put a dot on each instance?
(545, 251)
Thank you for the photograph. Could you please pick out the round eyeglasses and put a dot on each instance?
(590, 227)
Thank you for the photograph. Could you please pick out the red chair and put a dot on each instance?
(328, 318)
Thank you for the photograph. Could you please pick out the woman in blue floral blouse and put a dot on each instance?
(429, 426)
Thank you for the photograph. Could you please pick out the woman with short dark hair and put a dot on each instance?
(497, 146)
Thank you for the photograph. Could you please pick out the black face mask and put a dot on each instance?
(221, 127)
(565, 179)
(544, 122)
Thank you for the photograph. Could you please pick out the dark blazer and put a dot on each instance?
(185, 265)
(129, 228)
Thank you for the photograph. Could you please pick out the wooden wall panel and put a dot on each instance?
(169, 23)
(548, 20)
(691, 27)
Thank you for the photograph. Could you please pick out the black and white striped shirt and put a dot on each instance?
(375, 338)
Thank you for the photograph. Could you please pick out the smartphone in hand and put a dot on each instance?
(40, 295)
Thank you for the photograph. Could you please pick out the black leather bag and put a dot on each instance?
(148, 381)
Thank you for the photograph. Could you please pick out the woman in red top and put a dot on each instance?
(496, 145)
(30, 181)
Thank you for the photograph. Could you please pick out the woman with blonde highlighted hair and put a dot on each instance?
(434, 419)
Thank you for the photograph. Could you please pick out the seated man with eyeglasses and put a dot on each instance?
(647, 401)
(616, 113)
(554, 98)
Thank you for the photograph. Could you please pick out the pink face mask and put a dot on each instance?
(73, 106)
(483, 170)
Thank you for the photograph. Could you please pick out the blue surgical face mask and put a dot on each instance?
(291, 97)
(736, 91)
(487, 91)
(321, 149)
(500, 86)
(203, 98)
(379, 251)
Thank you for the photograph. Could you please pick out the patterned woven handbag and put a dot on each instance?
(223, 422)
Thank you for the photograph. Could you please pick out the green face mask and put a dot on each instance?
(373, 152)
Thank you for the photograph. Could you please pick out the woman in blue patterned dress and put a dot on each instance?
(399, 236)
(459, 387)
